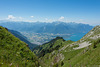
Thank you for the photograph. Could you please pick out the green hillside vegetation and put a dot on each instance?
(67, 56)
(15, 53)
(49, 47)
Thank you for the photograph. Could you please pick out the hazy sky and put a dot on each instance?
(80, 11)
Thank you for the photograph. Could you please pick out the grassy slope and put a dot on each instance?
(56, 58)
(88, 57)
(49, 47)
(14, 52)
(50, 51)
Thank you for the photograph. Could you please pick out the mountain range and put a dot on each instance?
(42, 27)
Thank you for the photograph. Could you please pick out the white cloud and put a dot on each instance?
(11, 17)
(31, 16)
(61, 18)
(21, 18)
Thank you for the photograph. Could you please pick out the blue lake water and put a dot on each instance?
(75, 37)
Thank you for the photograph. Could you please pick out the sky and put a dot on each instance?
(79, 11)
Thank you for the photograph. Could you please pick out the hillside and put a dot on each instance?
(83, 53)
(22, 38)
(49, 47)
(15, 53)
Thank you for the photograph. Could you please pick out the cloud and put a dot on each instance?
(31, 16)
(11, 17)
(61, 18)
(21, 18)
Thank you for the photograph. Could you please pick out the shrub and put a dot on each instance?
(62, 63)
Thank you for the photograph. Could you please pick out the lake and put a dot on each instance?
(75, 37)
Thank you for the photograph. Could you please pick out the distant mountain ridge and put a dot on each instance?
(54, 27)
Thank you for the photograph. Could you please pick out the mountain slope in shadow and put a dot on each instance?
(22, 38)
